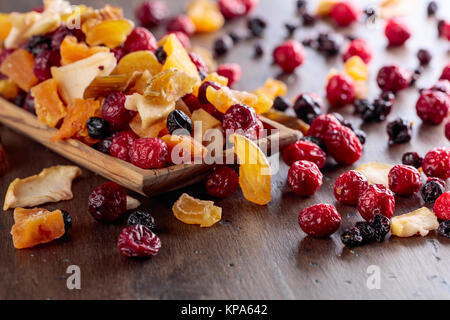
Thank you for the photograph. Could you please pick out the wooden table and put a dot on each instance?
(254, 252)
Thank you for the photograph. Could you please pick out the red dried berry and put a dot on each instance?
(119, 52)
(222, 182)
(304, 150)
(250, 5)
(349, 186)
(194, 104)
(232, 9)
(121, 143)
(62, 32)
(345, 13)
(107, 202)
(231, 71)
(340, 90)
(322, 124)
(442, 86)
(393, 78)
(376, 199)
(181, 23)
(289, 55)
(3, 161)
(437, 163)
(242, 120)
(304, 178)
(140, 39)
(43, 63)
(113, 111)
(447, 130)
(199, 63)
(138, 242)
(404, 180)
(445, 73)
(202, 90)
(445, 30)
(360, 48)
(433, 106)
(320, 220)
(182, 37)
(343, 145)
(442, 206)
(149, 153)
(397, 32)
(151, 13)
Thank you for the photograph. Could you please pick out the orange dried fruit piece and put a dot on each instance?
(224, 98)
(184, 149)
(206, 15)
(49, 107)
(193, 211)
(5, 26)
(356, 68)
(153, 131)
(18, 66)
(72, 51)
(111, 33)
(74, 123)
(211, 77)
(36, 226)
(8, 89)
(263, 104)
(169, 86)
(138, 61)
(254, 170)
(272, 88)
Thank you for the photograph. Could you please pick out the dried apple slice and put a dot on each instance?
(150, 110)
(193, 211)
(53, 184)
(206, 119)
(376, 173)
(153, 131)
(103, 86)
(421, 221)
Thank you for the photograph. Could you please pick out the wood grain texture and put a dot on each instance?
(255, 252)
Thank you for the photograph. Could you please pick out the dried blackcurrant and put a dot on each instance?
(67, 220)
(399, 131)
(98, 128)
(381, 225)
(281, 104)
(431, 190)
(178, 120)
(256, 26)
(141, 217)
(444, 228)
(412, 159)
(352, 237)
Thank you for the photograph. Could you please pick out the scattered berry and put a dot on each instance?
(107, 202)
(412, 159)
(445, 75)
(119, 52)
(250, 5)
(393, 78)
(442, 86)
(320, 220)
(37, 44)
(304, 178)
(223, 45)
(281, 104)
(382, 225)
(340, 90)
(308, 106)
(308, 19)
(140, 39)
(103, 145)
(181, 23)
(67, 220)
(178, 120)
(150, 13)
(424, 57)
(441, 207)
(397, 32)
(444, 229)
(432, 190)
(289, 55)
(98, 128)
(232, 9)
(345, 13)
(349, 186)
(231, 71)
(404, 180)
(113, 111)
(433, 106)
(317, 141)
(222, 182)
(144, 218)
(343, 145)
(379, 109)
(199, 62)
(148, 153)
(240, 118)
(360, 48)
(304, 150)
(256, 26)
(437, 163)
(399, 131)
(368, 233)
(62, 32)
(121, 143)
(361, 135)
(328, 43)
(376, 199)
(138, 242)
(352, 237)
(432, 8)
(161, 55)
(322, 124)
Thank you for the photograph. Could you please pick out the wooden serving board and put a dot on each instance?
(145, 182)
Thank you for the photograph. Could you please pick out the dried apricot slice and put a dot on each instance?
(254, 170)
(49, 107)
(18, 66)
(138, 61)
(5, 26)
(193, 211)
(36, 226)
(224, 98)
(8, 89)
(111, 33)
(184, 149)
(72, 51)
(356, 68)
(205, 15)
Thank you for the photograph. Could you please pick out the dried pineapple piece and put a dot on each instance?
(149, 109)
(376, 173)
(211, 77)
(206, 15)
(184, 149)
(141, 83)
(193, 211)
(272, 88)
(169, 86)
(356, 68)
(421, 221)
(53, 184)
(224, 98)
(111, 33)
(206, 119)
(49, 107)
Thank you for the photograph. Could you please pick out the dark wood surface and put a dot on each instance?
(255, 252)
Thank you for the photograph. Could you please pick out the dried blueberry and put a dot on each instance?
(281, 104)
(256, 26)
(399, 131)
(377, 111)
(352, 237)
(178, 120)
(301, 6)
(412, 159)
(424, 57)
(370, 13)
(223, 45)
(366, 230)
(38, 44)
(161, 55)
(235, 36)
(329, 44)
(290, 28)
(67, 220)
(98, 128)
(444, 229)
(361, 105)
(258, 50)
(381, 225)
(361, 135)
(103, 145)
(308, 107)
(308, 19)
(143, 218)
(431, 190)
(432, 8)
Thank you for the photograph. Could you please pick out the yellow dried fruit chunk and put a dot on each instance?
(8, 89)
(111, 33)
(5, 26)
(206, 16)
(193, 211)
(325, 6)
(206, 119)
(169, 86)
(376, 173)
(263, 104)
(272, 88)
(139, 61)
(421, 221)
(224, 98)
(211, 77)
(356, 68)
(254, 170)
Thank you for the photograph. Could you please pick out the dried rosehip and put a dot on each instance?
(320, 220)
(412, 159)
(121, 143)
(340, 90)
(397, 32)
(242, 119)
(149, 153)
(113, 111)
(138, 242)
(349, 186)
(437, 163)
(432, 190)
(181, 23)
(360, 48)
(98, 128)
(178, 120)
(139, 217)
(304, 150)
(304, 178)
(107, 202)
(433, 106)
(343, 145)
(393, 78)
(231, 71)
(289, 55)
(308, 106)
(441, 207)
(140, 39)
(376, 199)
(150, 13)
(222, 182)
(404, 180)
(399, 131)
(345, 13)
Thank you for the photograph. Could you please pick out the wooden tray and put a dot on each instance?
(145, 182)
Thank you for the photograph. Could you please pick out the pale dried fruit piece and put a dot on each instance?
(361, 89)
(93, 17)
(169, 86)
(104, 86)
(254, 170)
(8, 89)
(73, 79)
(287, 120)
(153, 131)
(394, 8)
(325, 6)
(35, 226)
(18, 66)
(183, 149)
(356, 68)
(206, 16)
(272, 88)
(224, 98)
(139, 61)
(132, 203)
(72, 51)
(49, 107)
(53, 184)
(421, 221)
(141, 83)
(376, 173)
(111, 33)
(149, 109)
(74, 14)
(263, 104)
(193, 211)
(5, 26)
(206, 120)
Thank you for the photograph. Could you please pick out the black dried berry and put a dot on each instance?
(361, 105)
(236, 37)
(377, 111)
(381, 225)
(143, 218)
(309, 42)
(38, 44)
(178, 120)
(424, 57)
(104, 145)
(415, 76)
(161, 55)
(98, 128)
(258, 50)
(388, 96)
(290, 28)
(352, 237)
(28, 104)
(329, 43)
(361, 135)
(317, 141)
(308, 19)
(399, 131)
(444, 228)
(366, 230)
(223, 45)
(412, 159)
(281, 104)
(307, 107)
(431, 190)
(67, 220)
(301, 6)
(432, 8)
(370, 14)
(20, 98)
(256, 26)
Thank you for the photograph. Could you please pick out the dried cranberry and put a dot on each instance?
(149, 153)
(345, 13)
(256, 26)
(119, 52)
(399, 131)
(139, 217)
(62, 32)
(340, 90)
(202, 90)
(289, 55)
(304, 178)
(445, 30)
(194, 104)
(432, 190)
(98, 128)
(138, 242)
(343, 145)
(349, 186)
(441, 207)
(67, 220)
(322, 124)
(308, 106)
(150, 13)
(250, 5)
(376, 199)
(437, 163)
(424, 56)
(107, 202)
(433, 106)
(445, 75)
(393, 78)
(178, 120)
(181, 23)
(442, 86)
(412, 159)
(140, 39)
(121, 143)
(103, 145)
(397, 32)
(222, 182)
(222, 45)
(360, 48)
(199, 62)
(232, 9)
(241, 119)
(447, 130)
(182, 37)
(113, 111)
(304, 150)
(320, 220)
(352, 237)
(43, 62)
(404, 180)
(231, 71)
(317, 141)
(28, 104)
